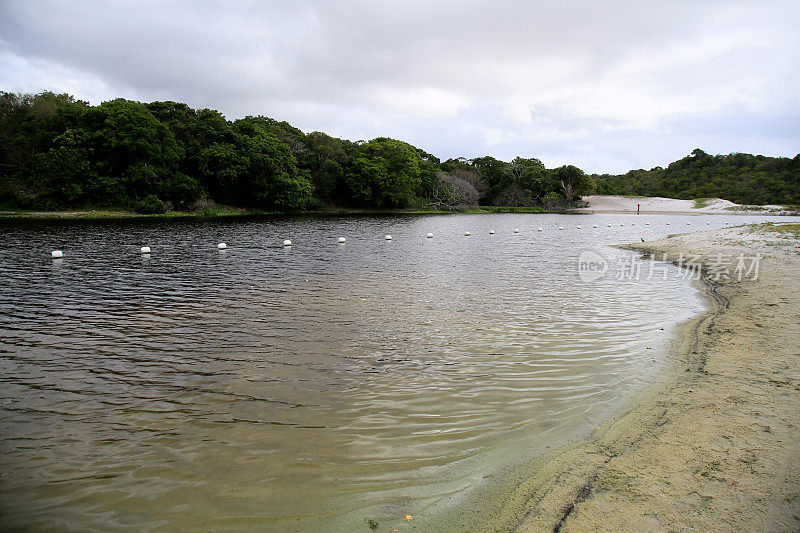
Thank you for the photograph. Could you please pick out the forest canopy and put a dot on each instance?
(741, 178)
(59, 152)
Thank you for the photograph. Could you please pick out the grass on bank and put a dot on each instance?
(700, 203)
(220, 211)
(786, 229)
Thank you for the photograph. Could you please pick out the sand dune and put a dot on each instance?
(657, 204)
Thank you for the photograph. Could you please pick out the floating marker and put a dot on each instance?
(688, 223)
(646, 223)
(516, 230)
(540, 229)
(708, 223)
(430, 235)
(467, 234)
(633, 223)
(667, 223)
(342, 240)
(579, 227)
(609, 225)
(221, 246)
(491, 232)
(388, 237)
(56, 254)
(594, 226)
(560, 228)
(287, 242)
(145, 249)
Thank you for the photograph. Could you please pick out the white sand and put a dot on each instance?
(656, 204)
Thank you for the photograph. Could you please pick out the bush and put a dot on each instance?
(150, 205)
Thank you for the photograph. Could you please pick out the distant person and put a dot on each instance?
(637, 209)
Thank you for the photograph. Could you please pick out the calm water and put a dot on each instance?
(309, 387)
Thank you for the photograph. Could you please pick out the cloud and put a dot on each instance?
(608, 86)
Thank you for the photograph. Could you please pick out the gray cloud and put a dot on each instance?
(606, 85)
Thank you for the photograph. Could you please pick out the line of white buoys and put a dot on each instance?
(56, 254)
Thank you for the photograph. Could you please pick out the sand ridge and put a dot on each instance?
(717, 446)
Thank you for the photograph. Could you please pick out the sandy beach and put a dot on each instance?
(656, 204)
(716, 446)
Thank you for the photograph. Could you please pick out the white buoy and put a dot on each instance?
(430, 235)
(622, 224)
(646, 223)
(56, 254)
(540, 229)
(667, 223)
(467, 234)
(145, 249)
(688, 223)
(594, 226)
(516, 230)
(560, 228)
(221, 246)
(388, 237)
(609, 225)
(342, 240)
(491, 232)
(708, 223)
(633, 223)
(580, 227)
(287, 242)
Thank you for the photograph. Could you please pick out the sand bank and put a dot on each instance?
(629, 204)
(716, 447)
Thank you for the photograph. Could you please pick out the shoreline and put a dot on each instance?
(716, 446)
(595, 204)
(231, 213)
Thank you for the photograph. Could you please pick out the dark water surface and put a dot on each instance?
(309, 387)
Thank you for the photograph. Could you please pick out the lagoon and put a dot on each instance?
(312, 386)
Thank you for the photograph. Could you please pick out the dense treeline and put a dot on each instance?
(59, 152)
(740, 178)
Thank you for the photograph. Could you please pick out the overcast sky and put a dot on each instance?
(608, 86)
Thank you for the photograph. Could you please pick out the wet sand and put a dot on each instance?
(716, 447)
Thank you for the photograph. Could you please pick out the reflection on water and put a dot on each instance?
(267, 387)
